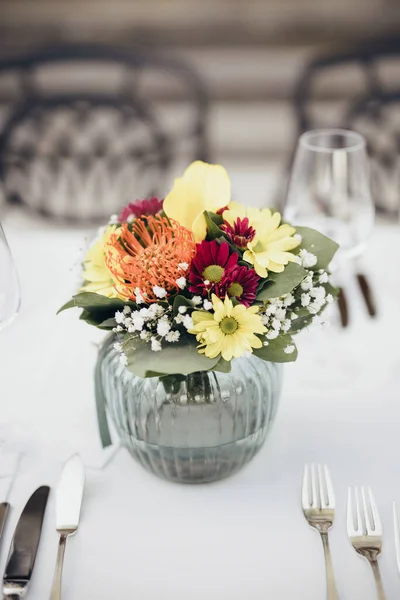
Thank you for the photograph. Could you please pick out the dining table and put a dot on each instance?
(244, 537)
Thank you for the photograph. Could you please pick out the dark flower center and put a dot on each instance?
(235, 289)
(228, 325)
(213, 273)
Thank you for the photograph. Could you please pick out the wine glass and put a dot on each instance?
(10, 300)
(10, 297)
(329, 189)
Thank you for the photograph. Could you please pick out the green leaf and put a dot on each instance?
(315, 242)
(301, 323)
(217, 219)
(175, 358)
(99, 319)
(180, 300)
(279, 284)
(222, 366)
(213, 231)
(275, 351)
(90, 301)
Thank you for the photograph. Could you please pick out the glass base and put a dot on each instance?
(196, 465)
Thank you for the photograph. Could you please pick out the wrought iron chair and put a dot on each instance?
(79, 154)
(372, 111)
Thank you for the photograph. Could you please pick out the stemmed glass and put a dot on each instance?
(329, 189)
(10, 300)
(10, 297)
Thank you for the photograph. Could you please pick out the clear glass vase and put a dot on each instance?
(194, 428)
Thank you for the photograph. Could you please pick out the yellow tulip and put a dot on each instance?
(202, 187)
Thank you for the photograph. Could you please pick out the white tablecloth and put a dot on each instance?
(245, 537)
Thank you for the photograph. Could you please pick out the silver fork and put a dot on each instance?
(365, 530)
(318, 502)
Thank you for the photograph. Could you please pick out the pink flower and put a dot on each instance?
(134, 210)
(240, 283)
(209, 266)
(240, 233)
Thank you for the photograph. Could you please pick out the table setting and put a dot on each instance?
(314, 443)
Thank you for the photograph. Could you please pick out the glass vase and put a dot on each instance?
(194, 428)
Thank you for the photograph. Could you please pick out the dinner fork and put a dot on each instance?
(365, 530)
(318, 502)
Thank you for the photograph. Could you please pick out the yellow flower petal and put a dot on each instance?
(98, 278)
(213, 337)
(202, 187)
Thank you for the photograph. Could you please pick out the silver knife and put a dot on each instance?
(24, 545)
(4, 508)
(68, 508)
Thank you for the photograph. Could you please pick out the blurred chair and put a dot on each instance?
(80, 141)
(371, 72)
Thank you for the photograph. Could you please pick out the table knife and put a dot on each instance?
(68, 508)
(4, 508)
(24, 545)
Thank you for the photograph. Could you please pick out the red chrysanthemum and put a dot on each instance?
(209, 266)
(140, 208)
(240, 233)
(240, 283)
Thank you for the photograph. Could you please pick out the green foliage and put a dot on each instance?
(179, 301)
(92, 301)
(98, 310)
(223, 366)
(275, 351)
(279, 284)
(213, 230)
(178, 358)
(315, 242)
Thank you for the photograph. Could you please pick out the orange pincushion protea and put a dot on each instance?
(151, 252)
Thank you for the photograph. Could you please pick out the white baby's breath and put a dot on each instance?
(181, 283)
(305, 299)
(172, 336)
(188, 322)
(138, 296)
(155, 344)
(289, 349)
(160, 292)
(307, 258)
(163, 327)
(119, 317)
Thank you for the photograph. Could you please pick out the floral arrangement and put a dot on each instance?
(191, 282)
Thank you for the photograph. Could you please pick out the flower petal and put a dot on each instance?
(202, 187)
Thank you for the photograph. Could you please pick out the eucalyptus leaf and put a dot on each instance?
(222, 366)
(175, 358)
(98, 318)
(275, 351)
(279, 284)
(315, 242)
(179, 301)
(90, 300)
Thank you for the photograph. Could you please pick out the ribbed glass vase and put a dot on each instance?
(193, 428)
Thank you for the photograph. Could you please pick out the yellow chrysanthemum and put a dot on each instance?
(229, 331)
(270, 248)
(98, 278)
(202, 187)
